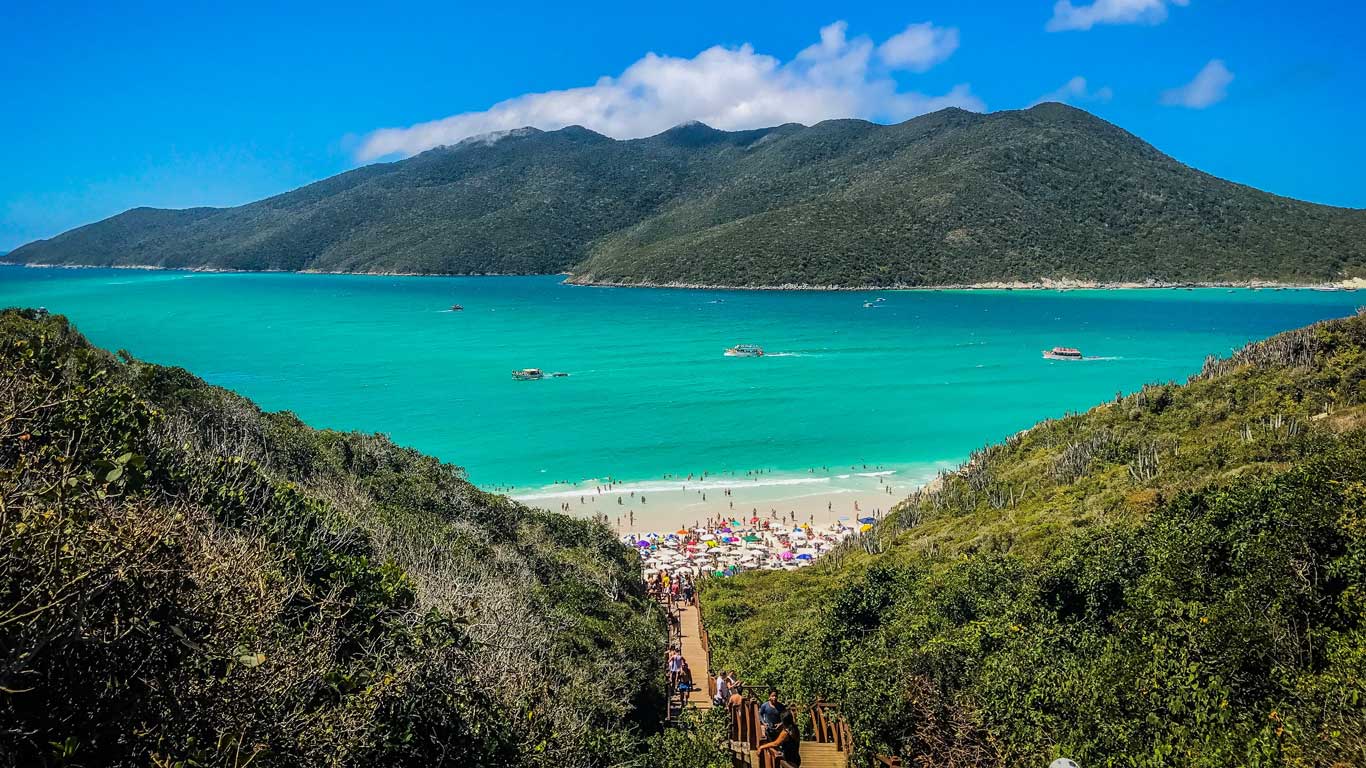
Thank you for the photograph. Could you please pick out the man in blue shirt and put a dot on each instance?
(771, 714)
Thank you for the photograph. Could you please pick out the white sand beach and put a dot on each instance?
(820, 496)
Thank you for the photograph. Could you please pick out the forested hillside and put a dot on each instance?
(1176, 577)
(186, 580)
(948, 198)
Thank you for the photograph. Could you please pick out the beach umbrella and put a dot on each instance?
(867, 520)
(642, 543)
(682, 531)
(804, 557)
(751, 538)
(786, 555)
(865, 528)
(707, 537)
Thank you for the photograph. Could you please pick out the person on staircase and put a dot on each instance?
(722, 689)
(771, 714)
(685, 683)
(788, 740)
(675, 668)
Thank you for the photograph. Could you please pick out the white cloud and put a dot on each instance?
(1210, 86)
(1076, 90)
(919, 47)
(1067, 16)
(727, 88)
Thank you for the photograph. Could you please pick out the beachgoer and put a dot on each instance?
(771, 713)
(722, 688)
(787, 741)
(736, 699)
(675, 667)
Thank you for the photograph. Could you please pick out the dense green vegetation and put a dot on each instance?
(948, 198)
(1177, 577)
(187, 581)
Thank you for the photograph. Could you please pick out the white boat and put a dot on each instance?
(745, 350)
(1062, 353)
(528, 374)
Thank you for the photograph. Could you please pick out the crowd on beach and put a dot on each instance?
(724, 547)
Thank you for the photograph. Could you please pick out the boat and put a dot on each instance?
(1062, 353)
(456, 308)
(868, 305)
(528, 374)
(745, 350)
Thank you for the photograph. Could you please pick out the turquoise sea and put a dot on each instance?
(918, 379)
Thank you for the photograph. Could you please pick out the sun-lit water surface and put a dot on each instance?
(919, 379)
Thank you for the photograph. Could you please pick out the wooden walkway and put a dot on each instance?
(690, 638)
(827, 747)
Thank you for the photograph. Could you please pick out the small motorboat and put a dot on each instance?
(457, 308)
(528, 374)
(745, 350)
(1062, 353)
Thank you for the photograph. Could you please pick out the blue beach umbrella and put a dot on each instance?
(866, 520)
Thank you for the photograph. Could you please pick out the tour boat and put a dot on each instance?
(528, 374)
(745, 350)
(1062, 353)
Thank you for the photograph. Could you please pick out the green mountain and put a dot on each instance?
(1176, 577)
(186, 580)
(947, 198)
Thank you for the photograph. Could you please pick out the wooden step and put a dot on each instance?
(814, 755)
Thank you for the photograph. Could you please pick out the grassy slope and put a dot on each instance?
(1175, 577)
(950, 197)
(186, 578)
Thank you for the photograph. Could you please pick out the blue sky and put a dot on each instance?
(175, 105)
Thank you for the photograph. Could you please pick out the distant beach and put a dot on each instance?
(821, 496)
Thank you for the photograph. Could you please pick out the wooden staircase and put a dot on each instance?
(828, 745)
